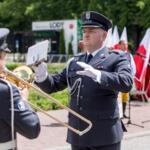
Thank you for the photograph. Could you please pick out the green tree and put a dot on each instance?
(19, 14)
(129, 13)
(12, 14)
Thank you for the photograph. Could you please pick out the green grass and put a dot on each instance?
(55, 67)
(12, 66)
(48, 104)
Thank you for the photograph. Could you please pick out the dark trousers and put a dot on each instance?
(116, 146)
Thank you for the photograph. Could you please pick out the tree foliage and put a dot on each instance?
(19, 14)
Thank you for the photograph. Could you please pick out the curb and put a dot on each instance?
(126, 137)
(133, 135)
(68, 147)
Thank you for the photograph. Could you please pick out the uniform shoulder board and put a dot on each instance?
(117, 51)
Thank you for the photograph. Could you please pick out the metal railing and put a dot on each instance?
(51, 58)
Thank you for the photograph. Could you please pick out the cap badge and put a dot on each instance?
(87, 15)
(21, 106)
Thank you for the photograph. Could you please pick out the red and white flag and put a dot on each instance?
(124, 37)
(147, 80)
(108, 41)
(115, 38)
(141, 59)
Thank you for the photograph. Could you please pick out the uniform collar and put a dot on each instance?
(95, 52)
(100, 56)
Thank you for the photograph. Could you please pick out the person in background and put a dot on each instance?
(81, 46)
(16, 116)
(126, 96)
(94, 79)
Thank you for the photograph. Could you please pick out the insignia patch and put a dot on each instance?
(102, 56)
(21, 106)
(87, 15)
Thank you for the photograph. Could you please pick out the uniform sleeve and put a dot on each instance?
(54, 83)
(121, 78)
(26, 121)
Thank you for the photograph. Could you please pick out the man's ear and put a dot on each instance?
(104, 34)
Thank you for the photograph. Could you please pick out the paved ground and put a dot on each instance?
(137, 143)
(54, 135)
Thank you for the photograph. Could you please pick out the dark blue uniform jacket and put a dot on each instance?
(26, 121)
(95, 101)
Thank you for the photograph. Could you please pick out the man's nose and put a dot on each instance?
(86, 34)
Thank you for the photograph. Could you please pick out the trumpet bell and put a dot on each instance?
(24, 72)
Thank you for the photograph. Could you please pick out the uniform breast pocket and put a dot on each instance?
(103, 67)
(100, 67)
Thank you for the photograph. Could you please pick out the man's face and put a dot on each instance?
(93, 38)
(123, 46)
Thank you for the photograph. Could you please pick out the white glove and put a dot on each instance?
(40, 72)
(89, 71)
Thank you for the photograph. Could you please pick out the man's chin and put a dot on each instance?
(87, 44)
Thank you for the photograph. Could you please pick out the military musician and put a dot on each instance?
(94, 79)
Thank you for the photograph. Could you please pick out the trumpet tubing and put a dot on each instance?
(12, 76)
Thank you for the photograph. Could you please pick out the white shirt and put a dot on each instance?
(95, 52)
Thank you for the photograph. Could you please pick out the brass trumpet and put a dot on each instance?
(12, 77)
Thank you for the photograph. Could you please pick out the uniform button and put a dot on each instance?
(81, 108)
(81, 97)
(102, 56)
(82, 86)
